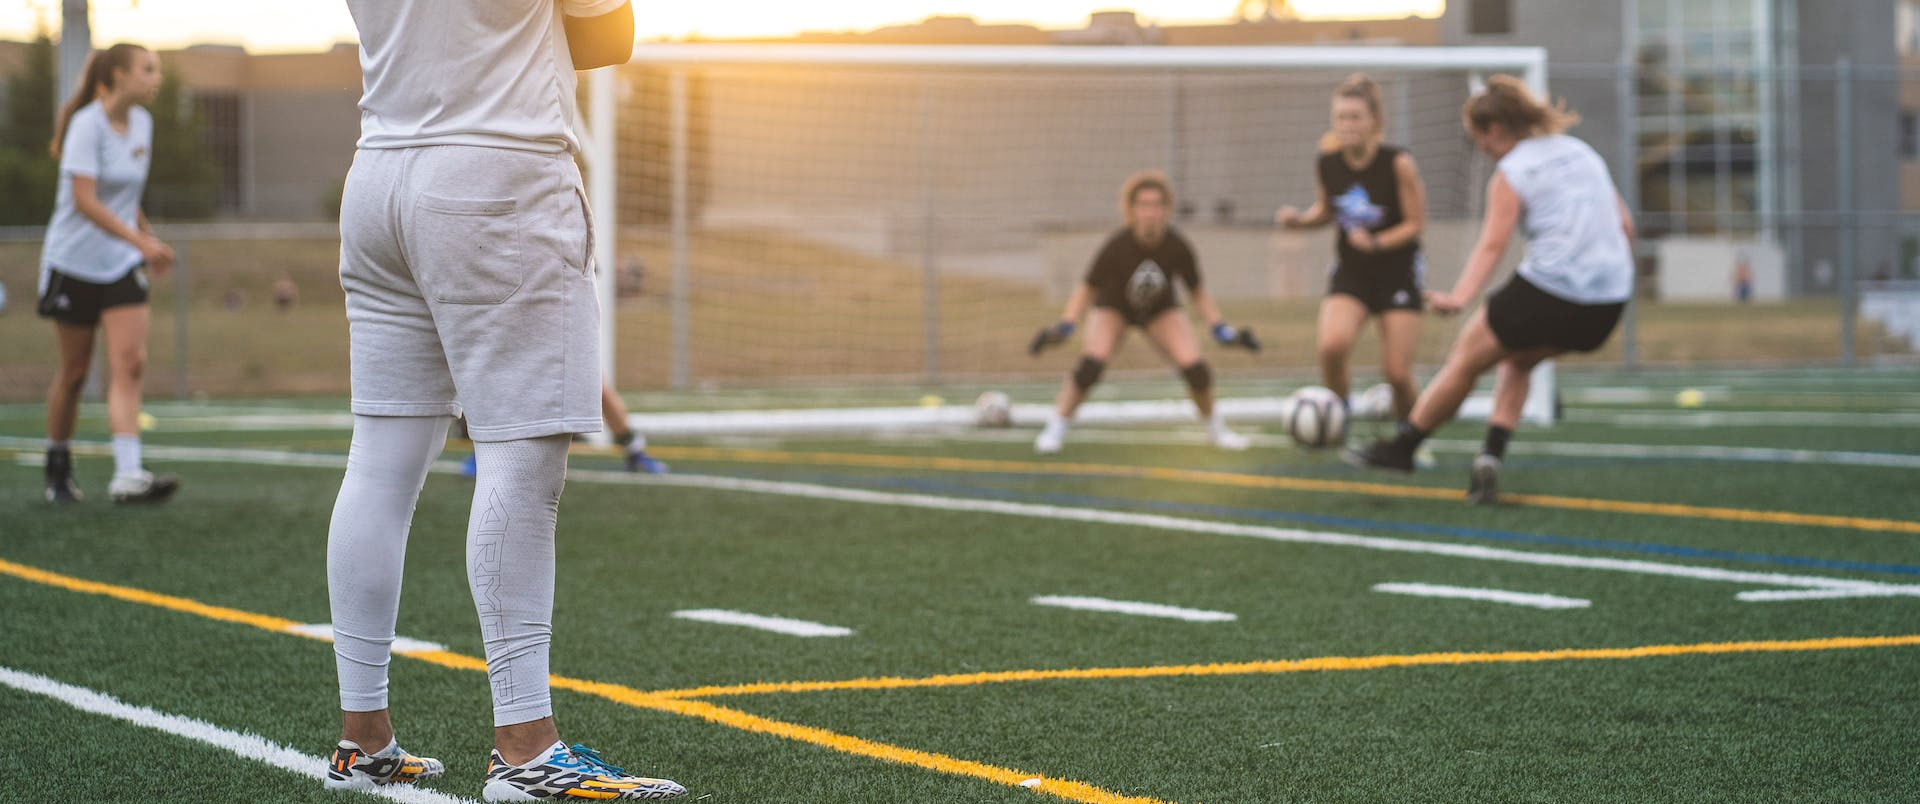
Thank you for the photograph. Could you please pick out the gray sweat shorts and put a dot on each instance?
(469, 281)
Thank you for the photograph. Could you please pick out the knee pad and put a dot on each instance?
(1198, 376)
(1087, 372)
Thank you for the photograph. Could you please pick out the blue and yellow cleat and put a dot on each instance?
(571, 774)
(352, 768)
(639, 461)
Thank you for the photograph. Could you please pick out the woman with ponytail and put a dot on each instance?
(94, 264)
(1373, 191)
(1567, 295)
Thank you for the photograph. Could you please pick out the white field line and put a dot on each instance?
(1489, 595)
(1745, 418)
(247, 746)
(1136, 608)
(1778, 595)
(324, 633)
(1095, 516)
(778, 625)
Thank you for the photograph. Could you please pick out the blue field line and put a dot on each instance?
(1323, 520)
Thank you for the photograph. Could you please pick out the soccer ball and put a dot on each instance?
(1315, 417)
(993, 409)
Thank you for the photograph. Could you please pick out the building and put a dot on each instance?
(1721, 116)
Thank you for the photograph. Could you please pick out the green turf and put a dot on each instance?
(933, 592)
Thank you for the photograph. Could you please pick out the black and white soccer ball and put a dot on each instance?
(1315, 417)
(993, 409)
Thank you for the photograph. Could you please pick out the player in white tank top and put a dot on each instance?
(1567, 295)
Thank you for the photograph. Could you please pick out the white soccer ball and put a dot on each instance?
(993, 409)
(1315, 417)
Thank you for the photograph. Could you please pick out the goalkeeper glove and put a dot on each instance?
(1050, 336)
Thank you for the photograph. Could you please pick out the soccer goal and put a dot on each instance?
(907, 215)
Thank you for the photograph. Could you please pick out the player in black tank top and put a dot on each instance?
(1372, 191)
(1132, 284)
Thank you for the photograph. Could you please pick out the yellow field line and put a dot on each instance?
(1059, 788)
(1278, 483)
(1316, 664)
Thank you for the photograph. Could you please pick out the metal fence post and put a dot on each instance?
(682, 291)
(1843, 111)
(929, 233)
(1626, 167)
(182, 303)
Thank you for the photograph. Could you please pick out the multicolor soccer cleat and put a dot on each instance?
(571, 774)
(352, 768)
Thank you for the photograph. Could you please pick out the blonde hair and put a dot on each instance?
(97, 76)
(1364, 88)
(1508, 102)
(1143, 180)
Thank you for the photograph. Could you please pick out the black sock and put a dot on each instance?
(1408, 436)
(1496, 444)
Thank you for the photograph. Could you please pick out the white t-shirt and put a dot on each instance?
(492, 73)
(1576, 249)
(118, 164)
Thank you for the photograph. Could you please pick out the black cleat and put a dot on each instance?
(1483, 484)
(1381, 454)
(145, 488)
(60, 485)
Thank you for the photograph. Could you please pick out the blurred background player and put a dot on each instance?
(633, 446)
(1372, 190)
(1131, 285)
(1567, 295)
(93, 267)
(464, 227)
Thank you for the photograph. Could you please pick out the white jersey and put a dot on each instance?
(118, 164)
(491, 73)
(1576, 249)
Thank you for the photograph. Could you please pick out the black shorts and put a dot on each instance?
(1135, 318)
(1380, 289)
(79, 302)
(1522, 316)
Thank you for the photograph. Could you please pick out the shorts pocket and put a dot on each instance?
(473, 245)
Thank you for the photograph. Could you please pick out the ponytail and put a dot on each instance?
(97, 76)
(1508, 102)
(1363, 87)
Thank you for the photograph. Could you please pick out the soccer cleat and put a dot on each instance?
(1051, 438)
(1382, 454)
(571, 774)
(1483, 484)
(639, 461)
(60, 485)
(352, 768)
(1223, 438)
(142, 488)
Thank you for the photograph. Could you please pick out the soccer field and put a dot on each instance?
(1713, 603)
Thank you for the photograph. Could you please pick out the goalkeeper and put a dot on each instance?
(1131, 285)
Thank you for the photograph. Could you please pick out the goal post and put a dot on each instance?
(904, 215)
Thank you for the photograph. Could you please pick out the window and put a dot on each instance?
(1489, 17)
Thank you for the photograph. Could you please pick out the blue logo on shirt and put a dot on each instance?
(1355, 208)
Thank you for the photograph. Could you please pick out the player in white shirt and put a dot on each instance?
(1567, 296)
(94, 264)
(466, 257)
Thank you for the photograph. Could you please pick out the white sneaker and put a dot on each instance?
(1051, 438)
(145, 487)
(352, 768)
(1223, 438)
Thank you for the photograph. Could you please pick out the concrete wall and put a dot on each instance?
(1701, 269)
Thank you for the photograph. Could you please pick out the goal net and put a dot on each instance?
(878, 215)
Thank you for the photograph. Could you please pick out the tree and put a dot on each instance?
(184, 182)
(28, 174)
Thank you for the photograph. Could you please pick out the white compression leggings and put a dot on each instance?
(510, 567)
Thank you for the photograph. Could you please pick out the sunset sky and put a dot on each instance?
(293, 25)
